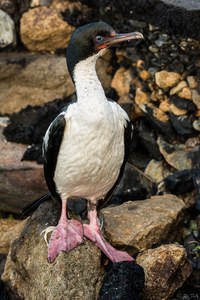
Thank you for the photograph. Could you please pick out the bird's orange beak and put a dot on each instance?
(118, 38)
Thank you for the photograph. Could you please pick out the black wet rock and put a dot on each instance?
(183, 125)
(192, 246)
(160, 127)
(179, 182)
(123, 281)
(134, 185)
(183, 103)
(148, 140)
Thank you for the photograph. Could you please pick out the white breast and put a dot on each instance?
(92, 150)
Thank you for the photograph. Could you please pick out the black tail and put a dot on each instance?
(31, 207)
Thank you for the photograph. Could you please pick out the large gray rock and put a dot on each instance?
(73, 275)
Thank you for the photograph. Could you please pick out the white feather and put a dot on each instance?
(92, 150)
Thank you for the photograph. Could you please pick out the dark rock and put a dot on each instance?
(123, 280)
(173, 17)
(163, 128)
(147, 140)
(134, 185)
(179, 182)
(183, 103)
(183, 125)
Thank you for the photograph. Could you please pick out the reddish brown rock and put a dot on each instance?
(166, 269)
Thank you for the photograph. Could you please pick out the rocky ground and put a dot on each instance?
(154, 213)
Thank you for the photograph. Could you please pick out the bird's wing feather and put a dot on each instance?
(51, 147)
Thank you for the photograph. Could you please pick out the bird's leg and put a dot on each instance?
(93, 233)
(67, 235)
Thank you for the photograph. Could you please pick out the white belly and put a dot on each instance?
(91, 153)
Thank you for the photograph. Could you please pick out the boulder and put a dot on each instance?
(139, 225)
(43, 29)
(166, 268)
(73, 275)
(35, 79)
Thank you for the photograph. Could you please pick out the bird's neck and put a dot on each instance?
(88, 87)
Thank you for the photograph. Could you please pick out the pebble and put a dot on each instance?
(165, 79)
(196, 124)
(141, 97)
(178, 88)
(153, 49)
(185, 93)
(196, 98)
(192, 82)
(7, 30)
(177, 111)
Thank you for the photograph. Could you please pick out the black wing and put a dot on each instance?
(128, 130)
(51, 149)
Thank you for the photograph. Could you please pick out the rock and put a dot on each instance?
(147, 140)
(180, 182)
(122, 281)
(175, 90)
(159, 121)
(166, 79)
(35, 79)
(7, 30)
(196, 124)
(144, 75)
(20, 182)
(121, 81)
(166, 269)
(185, 93)
(164, 105)
(32, 80)
(175, 155)
(73, 275)
(139, 225)
(177, 111)
(9, 230)
(35, 3)
(141, 97)
(192, 82)
(183, 125)
(42, 29)
(183, 104)
(156, 170)
(196, 98)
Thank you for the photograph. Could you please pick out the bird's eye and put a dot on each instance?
(98, 38)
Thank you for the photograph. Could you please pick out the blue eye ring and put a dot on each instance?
(98, 39)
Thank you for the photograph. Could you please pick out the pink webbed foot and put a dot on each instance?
(67, 236)
(93, 233)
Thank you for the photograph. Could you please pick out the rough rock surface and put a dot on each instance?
(166, 79)
(139, 225)
(9, 230)
(73, 275)
(38, 34)
(7, 30)
(166, 269)
(30, 79)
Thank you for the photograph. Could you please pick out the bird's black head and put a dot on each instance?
(89, 39)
